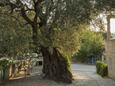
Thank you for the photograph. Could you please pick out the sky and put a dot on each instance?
(112, 25)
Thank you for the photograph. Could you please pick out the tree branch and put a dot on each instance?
(24, 15)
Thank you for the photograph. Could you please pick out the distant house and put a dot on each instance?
(110, 46)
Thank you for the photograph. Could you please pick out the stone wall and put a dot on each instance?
(110, 51)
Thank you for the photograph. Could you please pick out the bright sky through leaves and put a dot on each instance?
(112, 25)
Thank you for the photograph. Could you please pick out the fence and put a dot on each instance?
(22, 68)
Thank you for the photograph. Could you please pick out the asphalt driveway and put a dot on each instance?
(85, 75)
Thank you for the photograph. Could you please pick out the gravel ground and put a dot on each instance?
(84, 75)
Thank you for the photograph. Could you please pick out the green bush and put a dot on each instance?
(92, 45)
(102, 68)
(4, 67)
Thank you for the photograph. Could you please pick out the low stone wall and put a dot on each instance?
(110, 51)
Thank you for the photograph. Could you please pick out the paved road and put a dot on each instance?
(85, 75)
(83, 68)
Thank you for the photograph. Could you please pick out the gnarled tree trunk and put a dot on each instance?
(55, 66)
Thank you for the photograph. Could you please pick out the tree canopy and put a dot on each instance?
(14, 39)
(92, 46)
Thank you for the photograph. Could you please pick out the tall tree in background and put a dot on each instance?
(92, 46)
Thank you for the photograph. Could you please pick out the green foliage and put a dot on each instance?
(102, 5)
(4, 63)
(14, 39)
(102, 68)
(92, 45)
(67, 41)
(60, 14)
(4, 67)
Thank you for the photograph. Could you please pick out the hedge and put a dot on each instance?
(102, 68)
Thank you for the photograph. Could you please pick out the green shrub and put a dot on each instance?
(102, 68)
(4, 66)
(98, 63)
(90, 47)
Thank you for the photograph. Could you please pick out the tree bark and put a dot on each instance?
(55, 66)
(35, 38)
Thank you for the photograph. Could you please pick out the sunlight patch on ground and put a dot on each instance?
(77, 76)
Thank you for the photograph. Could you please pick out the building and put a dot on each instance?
(110, 48)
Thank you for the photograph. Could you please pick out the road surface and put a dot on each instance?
(84, 75)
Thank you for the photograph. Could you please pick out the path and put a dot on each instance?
(84, 75)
